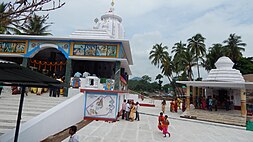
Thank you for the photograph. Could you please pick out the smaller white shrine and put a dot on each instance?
(223, 83)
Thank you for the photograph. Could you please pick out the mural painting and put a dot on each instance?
(95, 50)
(100, 105)
(33, 44)
(12, 47)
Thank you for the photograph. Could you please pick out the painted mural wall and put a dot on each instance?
(101, 105)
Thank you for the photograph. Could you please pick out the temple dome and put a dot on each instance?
(224, 72)
(109, 26)
(224, 63)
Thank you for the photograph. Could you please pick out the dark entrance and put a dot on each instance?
(222, 98)
(49, 61)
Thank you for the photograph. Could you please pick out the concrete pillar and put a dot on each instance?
(117, 76)
(25, 61)
(194, 96)
(243, 103)
(67, 75)
(188, 97)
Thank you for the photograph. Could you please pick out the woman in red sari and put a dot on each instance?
(160, 121)
(166, 124)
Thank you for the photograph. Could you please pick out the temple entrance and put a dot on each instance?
(222, 98)
(49, 61)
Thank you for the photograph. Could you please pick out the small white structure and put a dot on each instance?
(224, 83)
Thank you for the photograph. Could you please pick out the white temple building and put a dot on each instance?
(224, 83)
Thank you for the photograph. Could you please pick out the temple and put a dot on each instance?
(95, 62)
(224, 83)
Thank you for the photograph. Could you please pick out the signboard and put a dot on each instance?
(89, 49)
(101, 105)
(13, 47)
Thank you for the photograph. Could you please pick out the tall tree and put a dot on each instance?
(159, 77)
(234, 47)
(197, 47)
(19, 11)
(214, 53)
(35, 26)
(178, 48)
(6, 27)
(157, 54)
(189, 61)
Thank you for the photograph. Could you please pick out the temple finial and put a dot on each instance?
(112, 3)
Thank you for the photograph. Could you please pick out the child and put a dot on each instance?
(165, 126)
(73, 137)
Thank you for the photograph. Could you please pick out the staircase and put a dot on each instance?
(232, 117)
(33, 105)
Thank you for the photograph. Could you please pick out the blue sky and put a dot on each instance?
(148, 22)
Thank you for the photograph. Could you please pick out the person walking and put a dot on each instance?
(73, 136)
(166, 125)
(160, 121)
(163, 105)
(137, 117)
(123, 109)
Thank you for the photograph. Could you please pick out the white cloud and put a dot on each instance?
(148, 22)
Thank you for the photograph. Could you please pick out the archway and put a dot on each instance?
(49, 61)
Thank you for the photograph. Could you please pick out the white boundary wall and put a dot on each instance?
(50, 122)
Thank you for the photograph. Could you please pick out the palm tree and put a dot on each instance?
(36, 26)
(214, 53)
(188, 61)
(157, 54)
(178, 49)
(159, 77)
(197, 47)
(234, 47)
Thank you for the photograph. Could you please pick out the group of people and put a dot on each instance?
(163, 124)
(174, 105)
(129, 108)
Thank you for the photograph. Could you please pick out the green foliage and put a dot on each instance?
(143, 85)
(36, 25)
(245, 65)
(234, 47)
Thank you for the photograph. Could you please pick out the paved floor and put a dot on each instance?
(145, 130)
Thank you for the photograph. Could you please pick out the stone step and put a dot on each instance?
(33, 106)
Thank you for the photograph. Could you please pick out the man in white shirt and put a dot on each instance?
(73, 137)
(123, 109)
(127, 110)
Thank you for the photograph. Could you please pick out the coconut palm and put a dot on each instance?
(188, 61)
(178, 49)
(35, 26)
(159, 77)
(197, 47)
(234, 47)
(157, 54)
